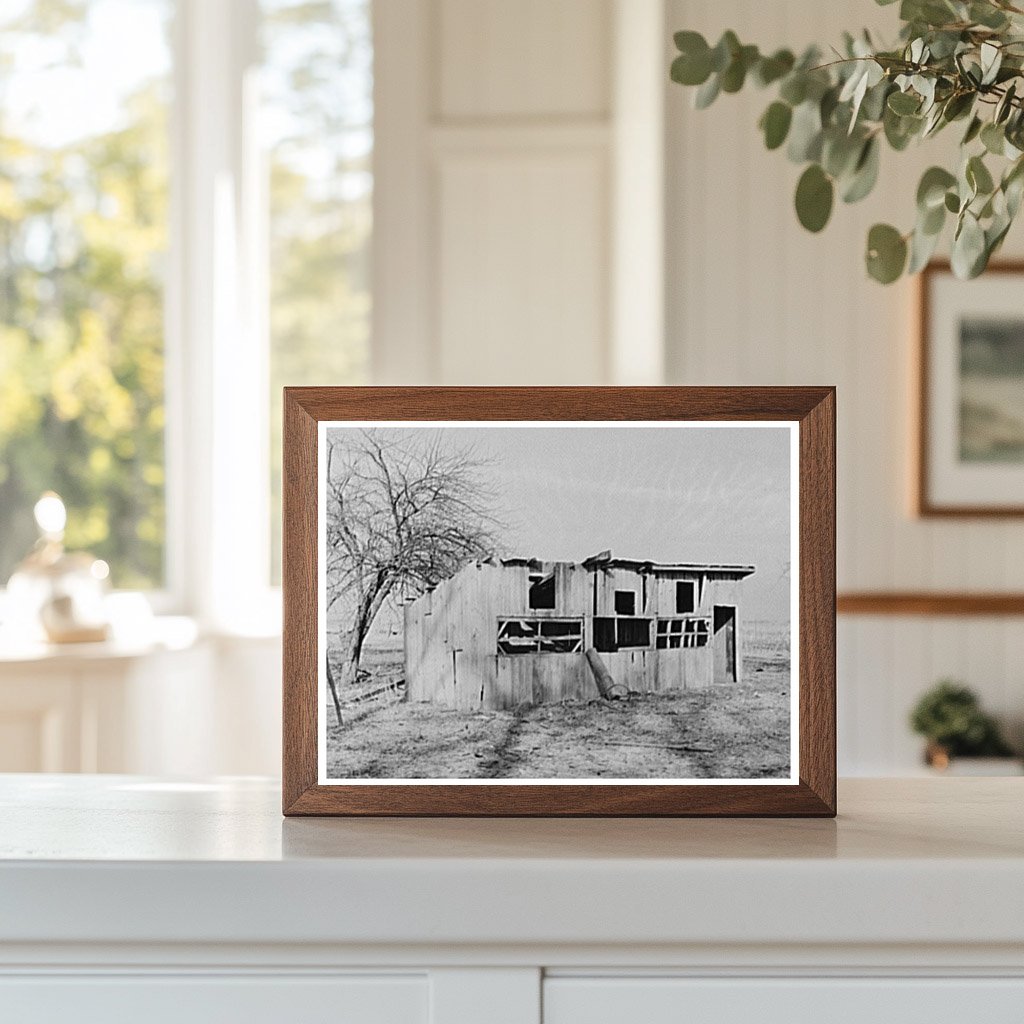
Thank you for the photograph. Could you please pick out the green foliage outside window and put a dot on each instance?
(83, 244)
(82, 232)
(318, 110)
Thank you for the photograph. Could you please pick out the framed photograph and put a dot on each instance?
(970, 450)
(559, 601)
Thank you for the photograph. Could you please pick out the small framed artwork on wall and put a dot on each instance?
(559, 601)
(970, 444)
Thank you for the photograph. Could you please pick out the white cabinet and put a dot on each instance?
(216, 1000)
(130, 899)
(830, 1000)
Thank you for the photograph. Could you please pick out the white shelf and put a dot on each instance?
(127, 898)
(122, 860)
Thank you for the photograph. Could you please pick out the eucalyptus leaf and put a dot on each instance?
(968, 248)
(735, 74)
(929, 12)
(944, 44)
(805, 133)
(922, 248)
(840, 152)
(993, 138)
(707, 93)
(794, 88)
(903, 103)
(691, 70)
(775, 122)
(724, 51)
(873, 106)
(814, 196)
(1014, 192)
(987, 15)
(958, 105)
(973, 130)
(932, 221)
(932, 122)
(931, 190)
(991, 60)
(925, 87)
(886, 253)
(1005, 105)
(771, 69)
(865, 174)
(978, 176)
(900, 130)
(827, 106)
(1013, 187)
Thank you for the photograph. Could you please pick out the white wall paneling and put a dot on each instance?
(638, 182)
(514, 169)
(751, 298)
(522, 284)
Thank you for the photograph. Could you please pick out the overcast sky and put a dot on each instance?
(666, 493)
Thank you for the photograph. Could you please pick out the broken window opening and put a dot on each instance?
(615, 633)
(686, 596)
(675, 633)
(604, 635)
(542, 591)
(625, 602)
(540, 636)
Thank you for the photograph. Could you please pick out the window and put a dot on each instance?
(540, 636)
(613, 634)
(686, 596)
(268, 186)
(625, 602)
(542, 591)
(83, 239)
(675, 633)
(317, 121)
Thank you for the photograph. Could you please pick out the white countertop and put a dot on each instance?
(120, 859)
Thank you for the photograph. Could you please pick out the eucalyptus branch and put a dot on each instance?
(955, 61)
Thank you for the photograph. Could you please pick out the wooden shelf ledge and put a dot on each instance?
(929, 603)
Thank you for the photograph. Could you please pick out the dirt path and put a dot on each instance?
(739, 731)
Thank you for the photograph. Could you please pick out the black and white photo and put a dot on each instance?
(595, 602)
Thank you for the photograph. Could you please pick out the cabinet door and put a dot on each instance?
(782, 1001)
(202, 999)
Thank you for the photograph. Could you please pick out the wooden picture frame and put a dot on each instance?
(939, 489)
(809, 791)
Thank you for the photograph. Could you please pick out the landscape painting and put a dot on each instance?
(992, 389)
(595, 602)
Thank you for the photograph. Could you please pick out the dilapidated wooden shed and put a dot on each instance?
(503, 632)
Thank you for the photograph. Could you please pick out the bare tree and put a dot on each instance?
(403, 513)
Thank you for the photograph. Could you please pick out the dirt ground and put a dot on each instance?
(728, 731)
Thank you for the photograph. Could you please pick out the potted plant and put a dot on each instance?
(950, 718)
(956, 62)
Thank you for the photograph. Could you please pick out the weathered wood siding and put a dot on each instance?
(451, 636)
